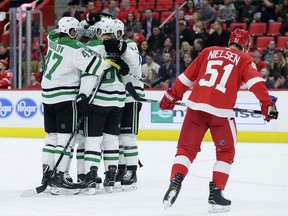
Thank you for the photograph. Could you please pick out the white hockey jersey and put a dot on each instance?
(64, 60)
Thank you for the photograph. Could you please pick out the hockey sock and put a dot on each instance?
(80, 140)
(121, 162)
(221, 172)
(130, 149)
(50, 142)
(111, 150)
(92, 154)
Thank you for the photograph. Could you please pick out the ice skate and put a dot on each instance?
(80, 177)
(173, 191)
(217, 203)
(120, 174)
(89, 185)
(60, 186)
(46, 179)
(129, 181)
(67, 176)
(110, 177)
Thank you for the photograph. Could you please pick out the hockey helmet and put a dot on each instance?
(104, 26)
(67, 23)
(89, 32)
(241, 38)
(118, 29)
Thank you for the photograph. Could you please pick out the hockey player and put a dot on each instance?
(216, 75)
(65, 58)
(103, 124)
(128, 158)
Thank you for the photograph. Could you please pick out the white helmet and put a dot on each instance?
(89, 32)
(118, 26)
(67, 23)
(105, 25)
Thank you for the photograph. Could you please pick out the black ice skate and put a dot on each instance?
(217, 203)
(67, 176)
(46, 179)
(173, 191)
(110, 177)
(89, 185)
(120, 173)
(129, 181)
(60, 186)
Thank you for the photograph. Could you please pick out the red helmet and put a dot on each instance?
(241, 38)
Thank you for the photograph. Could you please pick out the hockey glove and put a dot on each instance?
(83, 105)
(115, 46)
(168, 100)
(269, 110)
(92, 18)
(124, 68)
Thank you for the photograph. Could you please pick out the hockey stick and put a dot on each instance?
(272, 113)
(42, 56)
(42, 188)
(160, 80)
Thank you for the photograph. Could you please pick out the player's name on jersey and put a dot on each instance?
(56, 47)
(234, 58)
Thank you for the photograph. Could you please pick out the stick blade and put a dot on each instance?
(34, 191)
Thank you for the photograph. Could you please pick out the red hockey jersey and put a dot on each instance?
(216, 75)
(5, 79)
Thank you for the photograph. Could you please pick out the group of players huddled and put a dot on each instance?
(81, 82)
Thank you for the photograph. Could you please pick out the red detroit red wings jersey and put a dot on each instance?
(216, 75)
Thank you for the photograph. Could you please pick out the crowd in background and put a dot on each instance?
(202, 23)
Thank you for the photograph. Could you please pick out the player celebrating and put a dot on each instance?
(216, 75)
(128, 158)
(60, 84)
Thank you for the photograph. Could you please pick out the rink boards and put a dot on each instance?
(21, 115)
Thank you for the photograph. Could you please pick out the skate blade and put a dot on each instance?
(168, 202)
(218, 208)
(129, 187)
(63, 191)
(109, 189)
(88, 191)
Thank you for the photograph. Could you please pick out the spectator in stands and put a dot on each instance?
(184, 34)
(125, 9)
(269, 82)
(207, 12)
(137, 37)
(171, 26)
(267, 11)
(269, 53)
(143, 50)
(196, 17)
(217, 35)
(186, 62)
(185, 49)
(198, 46)
(133, 22)
(283, 16)
(90, 8)
(257, 54)
(72, 12)
(148, 23)
(112, 9)
(168, 68)
(168, 47)
(278, 67)
(156, 40)
(227, 13)
(246, 10)
(189, 10)
(150, 64)
(152, 77)
(5, 75)
(285, 51)
(35, 81)
(200, 32)
(4, 53)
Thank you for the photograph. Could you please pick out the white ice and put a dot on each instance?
(258, 184)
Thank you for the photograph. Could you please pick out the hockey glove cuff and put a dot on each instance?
(115, 46)
(168, 100)
(269, 110)
(83, 105)
(124, 68)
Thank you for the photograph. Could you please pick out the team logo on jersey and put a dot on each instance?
(6, 108)
(26, 108)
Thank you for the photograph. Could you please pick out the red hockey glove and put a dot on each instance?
(168, 100)
(269, 110)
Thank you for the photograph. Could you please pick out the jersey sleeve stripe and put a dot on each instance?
(185, 80)
(90, 64)
(253, 81)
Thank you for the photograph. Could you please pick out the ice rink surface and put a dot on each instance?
(258, 184)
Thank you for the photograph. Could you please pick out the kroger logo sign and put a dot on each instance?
(5, 108)
(26, 108)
